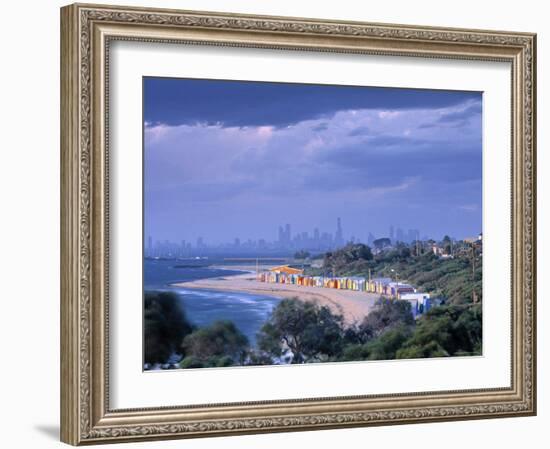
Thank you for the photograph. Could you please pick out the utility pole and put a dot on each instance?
(474, 294)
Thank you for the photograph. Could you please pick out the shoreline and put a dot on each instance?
(352, 305)
(251, 269)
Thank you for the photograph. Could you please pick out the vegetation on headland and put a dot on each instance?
(305, 332)
(456, 279)
(308, 333)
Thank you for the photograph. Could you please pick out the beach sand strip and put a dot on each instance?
(352, 305)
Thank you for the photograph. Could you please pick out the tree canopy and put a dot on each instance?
(309, 331)
(219, 344)
(389, 332)
(388, 313)
(350, 258)
(444, 331)
(165, 326)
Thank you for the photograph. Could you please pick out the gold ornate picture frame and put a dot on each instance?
(87, 31)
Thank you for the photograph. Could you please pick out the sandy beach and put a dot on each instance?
(354, 306)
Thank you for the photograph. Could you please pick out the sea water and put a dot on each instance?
(203, 307)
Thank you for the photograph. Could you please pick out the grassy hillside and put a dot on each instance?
(455, 279)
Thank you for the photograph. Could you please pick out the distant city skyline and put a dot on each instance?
(400, 234)
(287, 241)
(226, 160)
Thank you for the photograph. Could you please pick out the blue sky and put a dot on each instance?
(227, 159)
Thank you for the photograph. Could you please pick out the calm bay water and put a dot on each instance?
(203, 307)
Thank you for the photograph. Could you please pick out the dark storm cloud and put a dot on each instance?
(243, 103)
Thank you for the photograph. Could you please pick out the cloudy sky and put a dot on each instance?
(227, 159)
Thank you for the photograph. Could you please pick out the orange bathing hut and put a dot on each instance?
(286, 270)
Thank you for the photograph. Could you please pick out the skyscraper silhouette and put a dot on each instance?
(339, 236)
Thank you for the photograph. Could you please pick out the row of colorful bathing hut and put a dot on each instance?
(420, 302)
(382, 286)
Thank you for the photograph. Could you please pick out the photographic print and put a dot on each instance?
(276, 203)
(291, 223)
